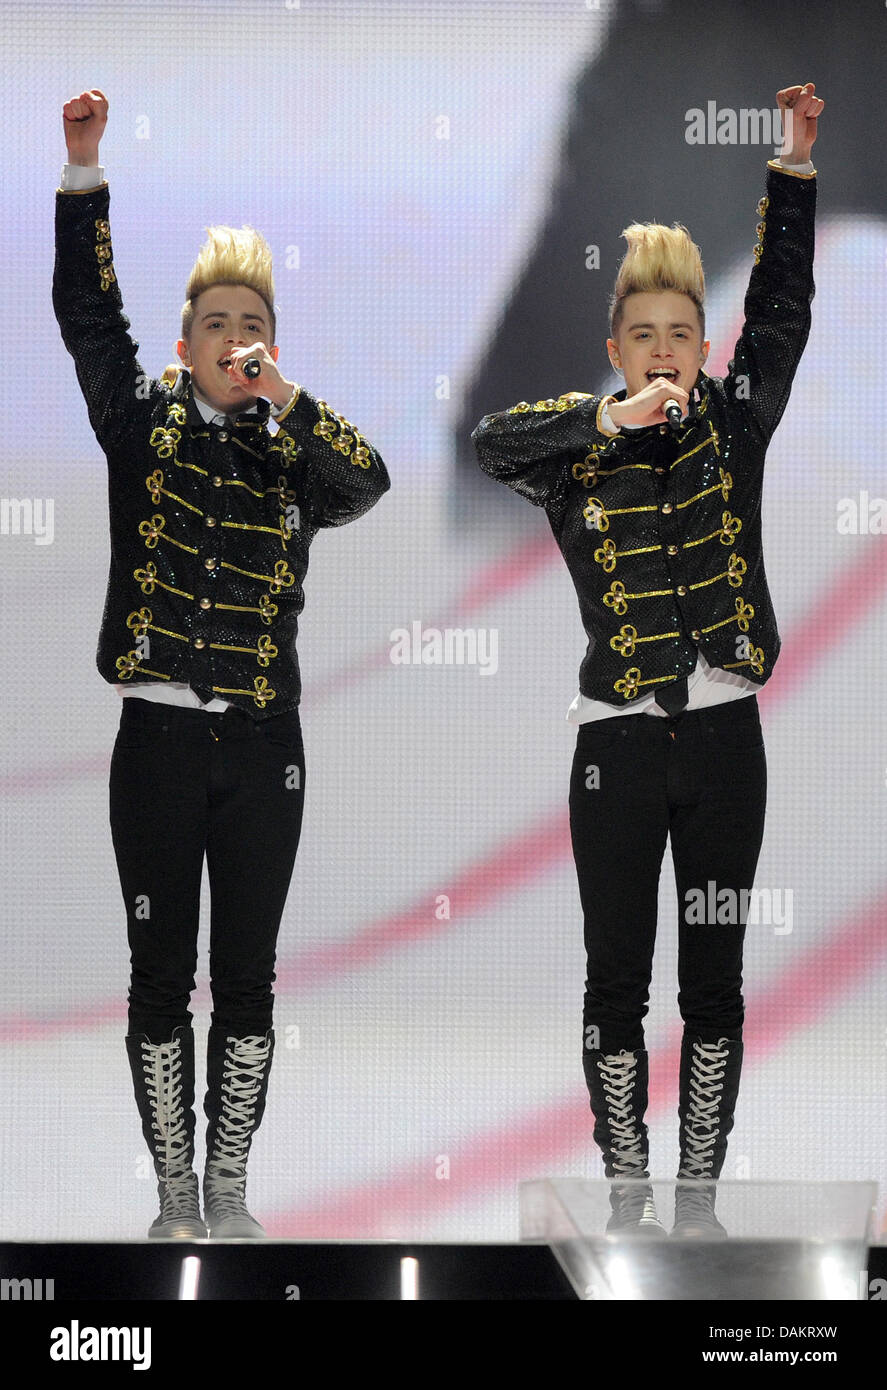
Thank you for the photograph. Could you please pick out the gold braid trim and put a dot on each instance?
(611, 434)
(792, 173)
(78, 192)
(326, 427)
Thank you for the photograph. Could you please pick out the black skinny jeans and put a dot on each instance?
(184, 784)
(700, 777)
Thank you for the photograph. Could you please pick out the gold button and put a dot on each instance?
(660, 470)
(206, 603)
(672, 550)
(210, 521)
(668, 507)
(223, 435)
(217, 482)
(696, 634)
(210, 563)
(663, 429)
(199, 642)
(681, 589)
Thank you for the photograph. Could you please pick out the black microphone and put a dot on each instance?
(252, 367)
(672, 414)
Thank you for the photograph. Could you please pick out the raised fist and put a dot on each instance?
(801, 108)
(84, 119)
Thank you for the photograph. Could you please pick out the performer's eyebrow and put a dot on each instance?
(633, 326)
(224, 314)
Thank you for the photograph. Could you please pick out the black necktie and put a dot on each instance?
(673, 697)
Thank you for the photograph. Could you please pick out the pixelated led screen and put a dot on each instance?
(430, 178)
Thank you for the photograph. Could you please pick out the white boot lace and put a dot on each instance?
(162, 1066)
(618, 1074)
(245, 1066)
(701, 1127)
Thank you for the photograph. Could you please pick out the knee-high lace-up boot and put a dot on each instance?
(237, 1083)
(163, 1078)
(709, 1086)
(617, 1087)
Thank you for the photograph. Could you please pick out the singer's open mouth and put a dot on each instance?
(669, 373)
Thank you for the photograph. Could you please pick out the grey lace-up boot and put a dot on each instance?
(163, 1079)
(617, 1087)
(709, 1086)
(237, 1083)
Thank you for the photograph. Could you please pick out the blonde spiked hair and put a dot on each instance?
(658, 258)
(231, 257)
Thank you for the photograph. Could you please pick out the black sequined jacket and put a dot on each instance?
(210, 524)
(661, 532)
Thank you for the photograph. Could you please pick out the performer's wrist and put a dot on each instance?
(283, 394)
(613, 409)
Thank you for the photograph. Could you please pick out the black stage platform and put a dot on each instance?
(290, 1271)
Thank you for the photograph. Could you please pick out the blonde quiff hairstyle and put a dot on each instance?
(658, 258)
(231, 257)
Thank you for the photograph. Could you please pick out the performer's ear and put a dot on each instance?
(274, 352)
(183, 352)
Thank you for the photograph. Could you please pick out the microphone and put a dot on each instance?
(672, 413)
(252, 367)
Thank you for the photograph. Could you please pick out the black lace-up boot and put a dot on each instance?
(163, 1078)
(709, 1085)
(237, 1083)
(617, 1086)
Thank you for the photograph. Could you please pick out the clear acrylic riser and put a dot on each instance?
(784, 1241)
